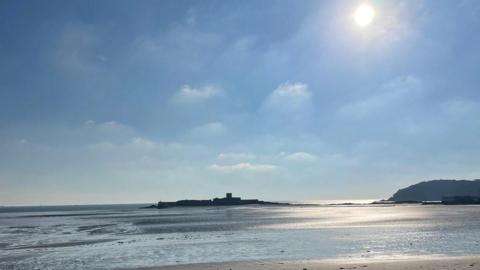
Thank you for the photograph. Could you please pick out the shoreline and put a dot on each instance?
(393, 263)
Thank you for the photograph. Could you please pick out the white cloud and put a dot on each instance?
(289, 95)
(289, 101)
(102, 131)
(112, 124)
(301, 156)
(244, 166)
(89, 123)
(105, 125)
(235, 156)
(144, 143)
(188, 94)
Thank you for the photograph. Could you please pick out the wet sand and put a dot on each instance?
(417, 263)
(63, 244)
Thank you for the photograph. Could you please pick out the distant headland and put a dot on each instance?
(440, 191)
(228, 200)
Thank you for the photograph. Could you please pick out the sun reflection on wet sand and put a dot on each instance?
(353, 216)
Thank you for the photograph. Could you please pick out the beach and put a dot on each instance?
(414, 263)
(254, 237)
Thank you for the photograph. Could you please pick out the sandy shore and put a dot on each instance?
(431, 263)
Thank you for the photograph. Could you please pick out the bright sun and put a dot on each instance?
(364, 15)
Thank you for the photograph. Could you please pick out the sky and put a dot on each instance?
(140, 101)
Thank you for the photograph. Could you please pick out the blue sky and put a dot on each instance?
(139, 101)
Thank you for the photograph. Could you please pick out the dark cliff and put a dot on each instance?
(434, 190)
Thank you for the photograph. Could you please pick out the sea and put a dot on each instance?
(126, 237)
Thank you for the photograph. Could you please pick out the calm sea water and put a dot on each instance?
(111, 237)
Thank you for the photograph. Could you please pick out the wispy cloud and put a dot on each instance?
(235, 156)
(391, 95)
(208, 130)
(301, 156)
(244, 166)
(289, 95)
(189, 94)
(289, 101)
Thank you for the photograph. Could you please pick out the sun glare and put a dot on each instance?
(364, 15)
